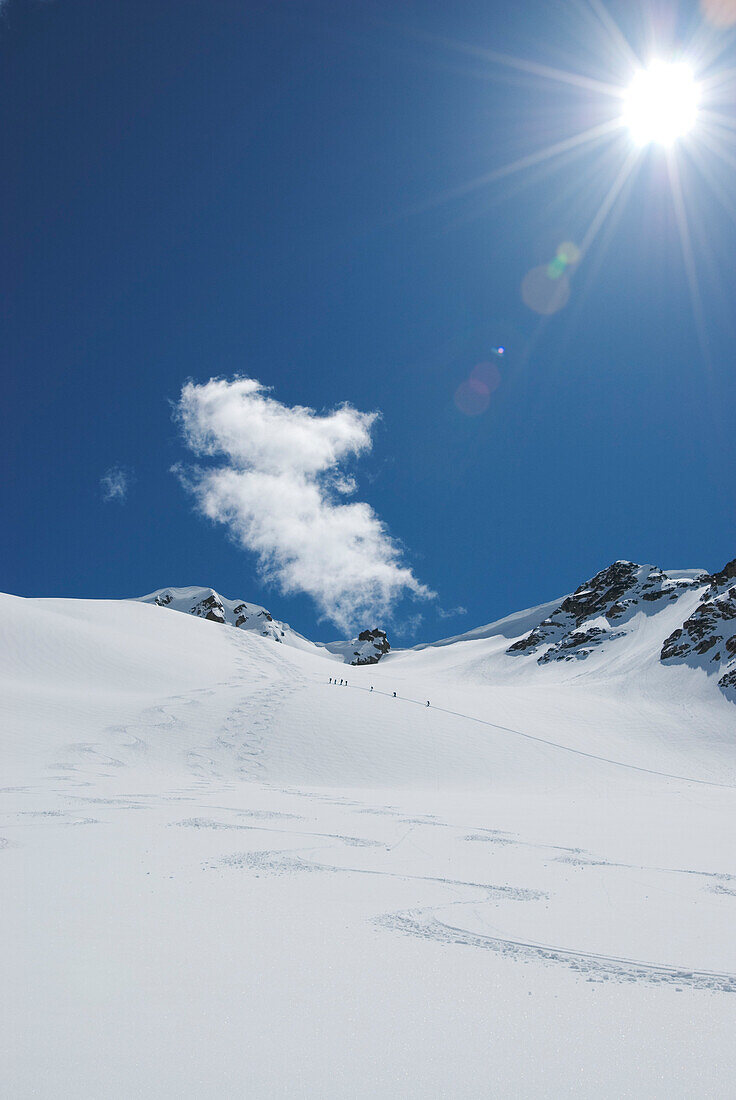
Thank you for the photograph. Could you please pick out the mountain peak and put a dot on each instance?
(698, 629)
(595, 611)
(206, 603)
(603, 610)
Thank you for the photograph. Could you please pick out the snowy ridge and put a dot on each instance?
(208, 604)
(685, 617)
(608, 608)
(205, 603)
(598, 610)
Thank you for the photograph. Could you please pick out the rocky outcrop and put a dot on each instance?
(593, 613)
(578, 645)
(707, 639)
(725, 578)
(600, 610)
(205, 603)
(211, 608)
(370, 646)
(367, 649)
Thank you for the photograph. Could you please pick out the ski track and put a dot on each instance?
(544, 741)
(424, 924)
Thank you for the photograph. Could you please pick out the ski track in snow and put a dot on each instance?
(424, 924)
(550, 744)
(236, 748)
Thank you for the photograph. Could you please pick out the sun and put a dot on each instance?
(681, 103)
(661, 104)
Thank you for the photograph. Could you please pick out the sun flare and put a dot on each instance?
(679, 103)
(661, 104)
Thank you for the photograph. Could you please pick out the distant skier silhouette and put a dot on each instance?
(394, 695)
(427, 702)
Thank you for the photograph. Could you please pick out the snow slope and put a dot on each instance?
(225, 876)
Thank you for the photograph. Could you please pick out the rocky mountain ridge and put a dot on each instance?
(205, 603)
(707, 639)
(600, 611)
(592, 619)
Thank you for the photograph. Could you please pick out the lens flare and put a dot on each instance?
(546, 289)
(487, 374)
(472, 397)
(661, 104)
(569, 253)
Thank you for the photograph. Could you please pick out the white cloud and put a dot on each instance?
(115, 483)
(279, 493)
(452, 613)
(408, 627)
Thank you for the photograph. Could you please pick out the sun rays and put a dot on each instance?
(673, 101)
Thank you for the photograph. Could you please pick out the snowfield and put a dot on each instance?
(223, 876)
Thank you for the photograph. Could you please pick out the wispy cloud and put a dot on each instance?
(408, 627)
(452, 613)
(280, 489)
(115, 484)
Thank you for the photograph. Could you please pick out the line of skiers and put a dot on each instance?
(344, 683)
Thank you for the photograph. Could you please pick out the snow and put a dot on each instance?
(224, 876)
(206, 603)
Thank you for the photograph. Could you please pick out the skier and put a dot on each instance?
(394, 695)
(371, 687)
(346, 683)
(330, 679)
(427, 702)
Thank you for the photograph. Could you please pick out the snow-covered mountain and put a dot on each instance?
(689, 615)
(367, 649)
(607, 609)
(206, 603)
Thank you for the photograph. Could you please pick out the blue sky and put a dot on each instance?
(281, 191)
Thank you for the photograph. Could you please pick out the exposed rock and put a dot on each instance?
(727, 684)
(707, 639)
(211, 608)
(597, 613)
(582, 621)
(723, 578)
(205, 603)
(578, 645)
(369, 647)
